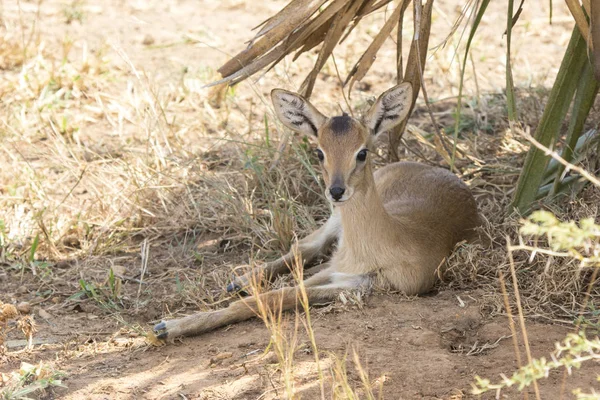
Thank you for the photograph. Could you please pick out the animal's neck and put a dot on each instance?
(363, 216)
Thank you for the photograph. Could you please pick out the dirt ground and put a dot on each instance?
(430, 347)
(426, 348)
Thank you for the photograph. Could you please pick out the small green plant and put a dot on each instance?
(114, 285)
(34, 247)
(27, 261)
(40, 268)
(3, 241)
(74, 12)
(590, 323)
(565, 239)
(571, 353)
(107, 295)
(29, 380)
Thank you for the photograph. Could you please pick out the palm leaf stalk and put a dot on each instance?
(575, 83)
(587, 89)
(577, 78)
(548, 129)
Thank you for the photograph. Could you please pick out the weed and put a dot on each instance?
(580, 242)
(107, 295)
(74, 11)
(570, 354)
(31, 379)
(590, 322)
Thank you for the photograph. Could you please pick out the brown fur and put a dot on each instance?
(394, 227)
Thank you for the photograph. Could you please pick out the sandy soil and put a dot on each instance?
(426, 348)
(430, 347)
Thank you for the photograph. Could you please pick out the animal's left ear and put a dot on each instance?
(390, 109)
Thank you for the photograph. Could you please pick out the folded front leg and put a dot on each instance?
(309, 248)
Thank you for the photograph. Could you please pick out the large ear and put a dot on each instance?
(295, 112)
(390, 109)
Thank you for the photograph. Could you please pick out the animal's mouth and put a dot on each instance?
(341, 201)
(338, 202)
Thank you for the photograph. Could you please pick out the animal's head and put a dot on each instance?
(344, 142)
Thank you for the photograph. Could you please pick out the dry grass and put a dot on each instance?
(87, 194)
(553, 288)
(286, 332)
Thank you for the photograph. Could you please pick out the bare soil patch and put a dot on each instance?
(425, 348)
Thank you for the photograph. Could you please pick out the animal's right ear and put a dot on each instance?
(295, 112)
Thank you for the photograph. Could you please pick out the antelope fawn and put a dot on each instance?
(393, 227)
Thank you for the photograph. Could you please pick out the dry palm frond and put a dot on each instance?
(366, 60)
(290, 32)
(415, 65)
(587, 17)
(304, 24)
(580, 19)
(334, 34)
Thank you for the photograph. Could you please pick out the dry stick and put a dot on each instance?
(558, 158)
(72, 188)
(475, 78)
(145, 252)
(513, 274)
(511, 323)
(580, 20)
(436, 129)
(342, 85)
(587, 6)
(544, 251)
(396, 134)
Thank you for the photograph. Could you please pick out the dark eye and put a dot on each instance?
(320, 155)
(362, 155)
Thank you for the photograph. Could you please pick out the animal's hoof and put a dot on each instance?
(160, 330)
(233, 288)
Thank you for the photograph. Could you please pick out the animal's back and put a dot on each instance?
(429, 200)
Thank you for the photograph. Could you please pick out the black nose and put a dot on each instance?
(337, 192)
